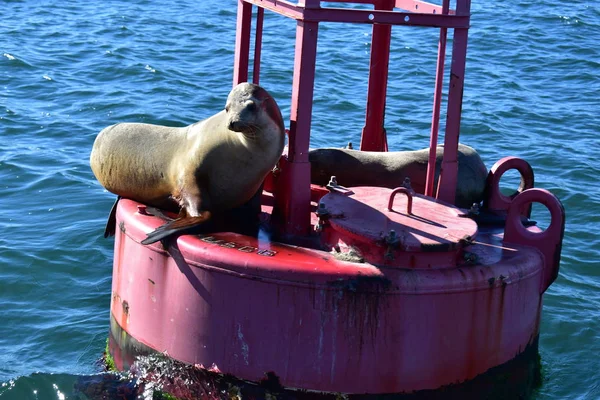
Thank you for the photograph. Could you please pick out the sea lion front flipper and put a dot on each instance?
(111, 223)
(156, 212)
(175, 226)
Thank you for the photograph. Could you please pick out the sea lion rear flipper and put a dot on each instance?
(111, 223)
(175, 226)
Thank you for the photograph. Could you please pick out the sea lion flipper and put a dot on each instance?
(157, 213)
(174, 226)
(111, 223)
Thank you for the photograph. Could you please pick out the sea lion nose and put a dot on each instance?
(231, 125)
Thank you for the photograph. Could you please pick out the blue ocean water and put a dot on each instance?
(68, 69)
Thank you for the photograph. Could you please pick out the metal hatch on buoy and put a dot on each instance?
(394, 227)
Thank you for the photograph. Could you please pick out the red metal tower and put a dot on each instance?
(294, 210)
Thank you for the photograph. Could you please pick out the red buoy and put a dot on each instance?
(355, 290)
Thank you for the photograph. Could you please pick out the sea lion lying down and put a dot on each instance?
(388, 169)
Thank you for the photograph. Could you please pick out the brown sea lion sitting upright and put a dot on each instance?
(208, 167)
(388, 169)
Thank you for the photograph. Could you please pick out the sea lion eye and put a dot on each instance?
(252, 107)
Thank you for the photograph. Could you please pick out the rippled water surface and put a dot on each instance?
(68, 69)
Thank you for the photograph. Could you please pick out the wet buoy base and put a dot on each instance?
(515, 379)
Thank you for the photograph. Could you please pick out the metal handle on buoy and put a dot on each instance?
(495, 200)
(549, 241)
(408, 194)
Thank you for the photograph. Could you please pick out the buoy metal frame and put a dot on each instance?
(293, 195)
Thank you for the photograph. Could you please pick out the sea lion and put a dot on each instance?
(388, 169)
(211, 166)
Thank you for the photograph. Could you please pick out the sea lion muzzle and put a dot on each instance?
(235, 126)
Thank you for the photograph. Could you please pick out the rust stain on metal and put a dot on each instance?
(504, 283)
(271, 382)
(278, 295)
(362, 284)
(471, 358)
(500, 315)
(361, 301)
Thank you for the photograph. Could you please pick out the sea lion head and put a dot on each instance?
(250, 109)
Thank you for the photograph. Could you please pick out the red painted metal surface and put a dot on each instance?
(549, 241)
(449, 168)
(421, 6)
(317, 14)
(242, 43)
(291, 198)
(409, 199)
(430, 235)
(260, 15)
(495, 200)
(249, 306)
(373, 136)
(437, 104)
(432, 298)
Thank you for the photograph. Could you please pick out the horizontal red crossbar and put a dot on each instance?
(428, 14)
(409, 5)
(385, 17)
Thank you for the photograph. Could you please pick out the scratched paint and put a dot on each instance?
(245, 347)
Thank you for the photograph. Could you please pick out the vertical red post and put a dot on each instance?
(373, 134)
(293, 192)
(437, 103)
(448, 174)
(302, 90)
(242, 42)
(258, 45)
